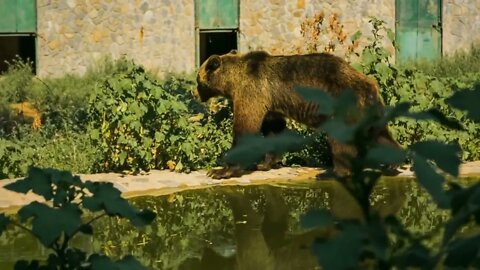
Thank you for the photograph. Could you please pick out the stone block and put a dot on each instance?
(54, 44)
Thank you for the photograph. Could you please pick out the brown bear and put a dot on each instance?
(262, 87)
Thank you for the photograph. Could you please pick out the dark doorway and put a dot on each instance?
(216, 42)
(13, 45)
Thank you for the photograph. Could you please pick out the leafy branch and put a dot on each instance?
(56, 224)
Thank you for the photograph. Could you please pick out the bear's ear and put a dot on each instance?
(213, 62)
(233, 51)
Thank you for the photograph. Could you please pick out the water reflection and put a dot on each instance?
(253, 227)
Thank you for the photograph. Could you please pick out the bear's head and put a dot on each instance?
(214, 74)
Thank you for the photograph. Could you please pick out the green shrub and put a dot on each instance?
(46, 147)
(408, 83)
(141, 124)
(16, 82)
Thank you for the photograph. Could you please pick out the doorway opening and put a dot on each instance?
(13, 45)
(216, 42)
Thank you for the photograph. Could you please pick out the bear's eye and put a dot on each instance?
(213, 63)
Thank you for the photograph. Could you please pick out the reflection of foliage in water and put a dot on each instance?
(189, 221)
(185, 222)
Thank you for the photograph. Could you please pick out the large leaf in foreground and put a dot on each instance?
(385, 154)
(49, 224)
(462, 252)
(100, 262)
(316, 218)
(445, 156)
(467, 100)
(107, 198)
(325, 102)
(339, 130)
(430, 180)
(252, 148)
(4, 221)
(40, 181)
(434, 114)
(465, 203)
(37, 181)
(342, 251)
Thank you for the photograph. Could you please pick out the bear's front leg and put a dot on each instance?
(247, 119)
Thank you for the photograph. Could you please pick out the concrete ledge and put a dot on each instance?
(163, 182)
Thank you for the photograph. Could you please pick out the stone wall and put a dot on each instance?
(72, 34)
(461, 24)
(274, 25)
(160, 34)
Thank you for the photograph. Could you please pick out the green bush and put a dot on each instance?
(407, 83)
(66, 150)
(188, 135)
(62, 140)
(16, 82)
(141, 124)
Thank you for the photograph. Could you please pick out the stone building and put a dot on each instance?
(176, 35)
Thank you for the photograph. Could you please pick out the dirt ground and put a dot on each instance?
(165, 182)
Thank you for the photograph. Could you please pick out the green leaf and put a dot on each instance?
(339, 130)
(49, 223)
(25, 265)
(368, 57)
(4, 222)
(390, 35)
(94, 134)
(386, 154)
(462, 252)
(101, 262)
(323, 99)
(122, 157)
(38, 180)
(107, 198)
(416, 256)
(465, 202)
(454, 224)
(86, 229)
(145, 217)
(356, 36)
(399, 110)
(430, 180)
(316, 218)
(436, 115)
(378, 238)
(252, 148)
(467, 100)
(341, 252)
(21, 186)
(345, 105)
(445, 156)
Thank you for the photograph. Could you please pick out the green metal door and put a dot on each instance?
(217, 14)
(418, 29)
(18, 16)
